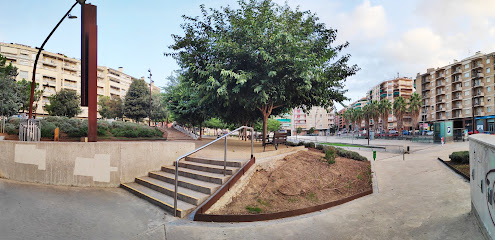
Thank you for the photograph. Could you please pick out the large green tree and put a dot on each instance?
(110, 107)
(262, 57)
(64, 103)
(159, 112)
(10, 98)
(384, 107)
(137, 102)
(25, 93)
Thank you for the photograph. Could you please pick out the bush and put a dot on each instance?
(461, 157)
(350, 154)
(319, 147)
(10, 129)
(47, 129)
(330, 155)
(300, 143)
(15, 121)
(309, 144)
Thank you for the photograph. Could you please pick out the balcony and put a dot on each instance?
(479, 113)
(456, 106)
(441, 100)
(478, 94)
(477, 65)
(440, 84)
(440, 93)
(456, 79)
(478, 75)
(457, 97)
(457, 89)
(479, 103)
(457, 71)
(440, 76)
(478, 84)
(458, 116)
(441, 109)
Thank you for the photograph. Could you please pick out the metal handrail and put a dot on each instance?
(203, 147)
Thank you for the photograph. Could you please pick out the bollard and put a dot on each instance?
(56, 134)
(374, 155)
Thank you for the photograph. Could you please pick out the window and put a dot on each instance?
(448, 114)
(488, 60)
(467, 111)
(488, 79)
(466, 66)
(489, 109)
(23, 74)
(466, 75)
(466, 93)
(466, 83)
(488, 89)
(488, 70)
(447, 71)
(488, 99)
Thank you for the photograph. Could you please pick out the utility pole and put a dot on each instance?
(151, 81)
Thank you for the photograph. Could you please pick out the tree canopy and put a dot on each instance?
(262, 57)
(10, 97)
(110, 107)
(65, 103)
(137, 102)
(25, 94)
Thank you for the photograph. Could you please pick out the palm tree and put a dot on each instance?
(375, 114)
(347, 117)
(400, 107)
(358, 112)
(384, 109)
(367, 114)
(414, 109)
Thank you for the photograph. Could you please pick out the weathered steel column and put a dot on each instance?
(89, 66)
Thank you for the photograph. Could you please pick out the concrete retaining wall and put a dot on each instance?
(100, 164)
(482, 182)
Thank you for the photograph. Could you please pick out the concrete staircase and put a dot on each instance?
(198, 179)
(175, 135)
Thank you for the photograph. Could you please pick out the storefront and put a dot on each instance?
(486, 124)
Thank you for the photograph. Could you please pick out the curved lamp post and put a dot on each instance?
(33, 83)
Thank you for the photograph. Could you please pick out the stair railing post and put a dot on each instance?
(252, 136)
(225, 158)
(176, 186)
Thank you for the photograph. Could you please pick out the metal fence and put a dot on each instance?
(29, 130)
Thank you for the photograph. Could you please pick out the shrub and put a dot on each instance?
(15, 121)
(461, 157)
(10, 129)
(350, 154)
(330, 155)
(47, 129)
(319, 147)
(300, 143)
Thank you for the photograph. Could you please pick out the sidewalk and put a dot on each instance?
(418, 198)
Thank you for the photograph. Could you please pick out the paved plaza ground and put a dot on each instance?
(417, 198)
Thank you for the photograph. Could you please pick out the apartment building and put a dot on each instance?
(392, 89)
(55, 72)
(319, 118)
(459, 92)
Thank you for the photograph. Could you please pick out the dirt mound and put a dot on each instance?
(300, 180)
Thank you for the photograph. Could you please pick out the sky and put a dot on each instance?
(387, 38)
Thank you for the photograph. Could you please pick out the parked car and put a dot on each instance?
(475, 132)
(405, 132)
(429, 133)
(393, 131)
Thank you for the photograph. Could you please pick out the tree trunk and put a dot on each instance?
(266, 110)
(200, 131)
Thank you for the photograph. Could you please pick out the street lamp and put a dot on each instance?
(151, 81)
(33, 83)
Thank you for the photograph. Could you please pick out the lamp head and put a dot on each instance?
(72, 16)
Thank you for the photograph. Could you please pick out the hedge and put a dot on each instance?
(461, 157)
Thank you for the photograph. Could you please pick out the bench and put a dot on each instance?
(278, 138)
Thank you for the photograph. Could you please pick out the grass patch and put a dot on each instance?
(343, 145)
(253, 209)
(260, 201)
(311, 196)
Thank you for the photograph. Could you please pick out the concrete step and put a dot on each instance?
(185, 182)
(199, 175)
(184, 194)
(159, 199)
(206, 167)
(218, 162)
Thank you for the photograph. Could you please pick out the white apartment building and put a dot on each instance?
(55, 72)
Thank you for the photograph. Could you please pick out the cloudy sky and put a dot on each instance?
(387, 37)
